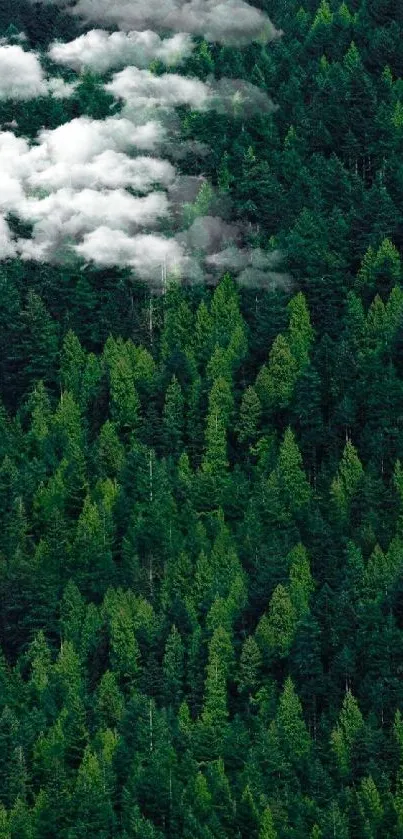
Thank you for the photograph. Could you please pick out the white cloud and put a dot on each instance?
(35, 250)
(75, 212)
(60, 89)
(143, 89)
(226, 21)
(82, 139)
(83, 166)
(81, 154)
(101, 51)
(21, 75)
(64, 219)
(7, 246)
(83, 169)
(144, 253)
(11, 192)
(110, 169)
(13, 167)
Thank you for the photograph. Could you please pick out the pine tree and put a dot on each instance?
(344, 736)
(72, 364)
(39, 434)
(92, 549)
(324, 16)
(250, 664)
(92, 809)
(125, 403)
(370, 806)
(203, 340)
(276, 630)
(215, 461)
(347, 480)
(20, 820)
(225, 312)
(248, 815)
(173, 418)
(290, 476)
(173, 669)
(398, 803)
(267, 829)
(39, 340)
(110, 450)
(300, 333)
(39, 656)
(109, 705)
(124, 649)
(177, 331)
(214, 717)
(292, 730)
(379, 271)
(276, 380)
(301, 582)
(249, 417)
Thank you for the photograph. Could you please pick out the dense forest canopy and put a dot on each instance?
(201, 419)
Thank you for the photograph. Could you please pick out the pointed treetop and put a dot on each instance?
(352, 58)
(324, 15)
(344, 13)
(267, 829)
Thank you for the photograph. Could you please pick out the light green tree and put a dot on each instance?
(214, 716)
(72, 364)
(344, 736)
(370, 807)
(300, 332)
(276, 380)
(109, 702)
(215, 460)
(289, 475)
(249, 417)
(110, 450)
(267, 829)
(347, 480)
(293, 733)
(250, 664)
(91, 804)
(276, 630)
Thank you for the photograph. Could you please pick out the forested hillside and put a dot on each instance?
(201, 432)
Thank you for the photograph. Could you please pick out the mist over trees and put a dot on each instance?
(201, 423)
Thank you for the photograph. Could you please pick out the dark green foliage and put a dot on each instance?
(201, 511)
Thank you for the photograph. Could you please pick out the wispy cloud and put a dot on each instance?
(225, 21)
(101, 51)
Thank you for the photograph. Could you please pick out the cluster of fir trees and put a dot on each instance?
(201, 495)
(200, 577)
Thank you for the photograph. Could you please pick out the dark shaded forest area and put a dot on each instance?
(201, 491)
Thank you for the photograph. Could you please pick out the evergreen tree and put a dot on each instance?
(173, 667)
(91, 803)
(267, 830)
(173, 418)
(344, 736)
